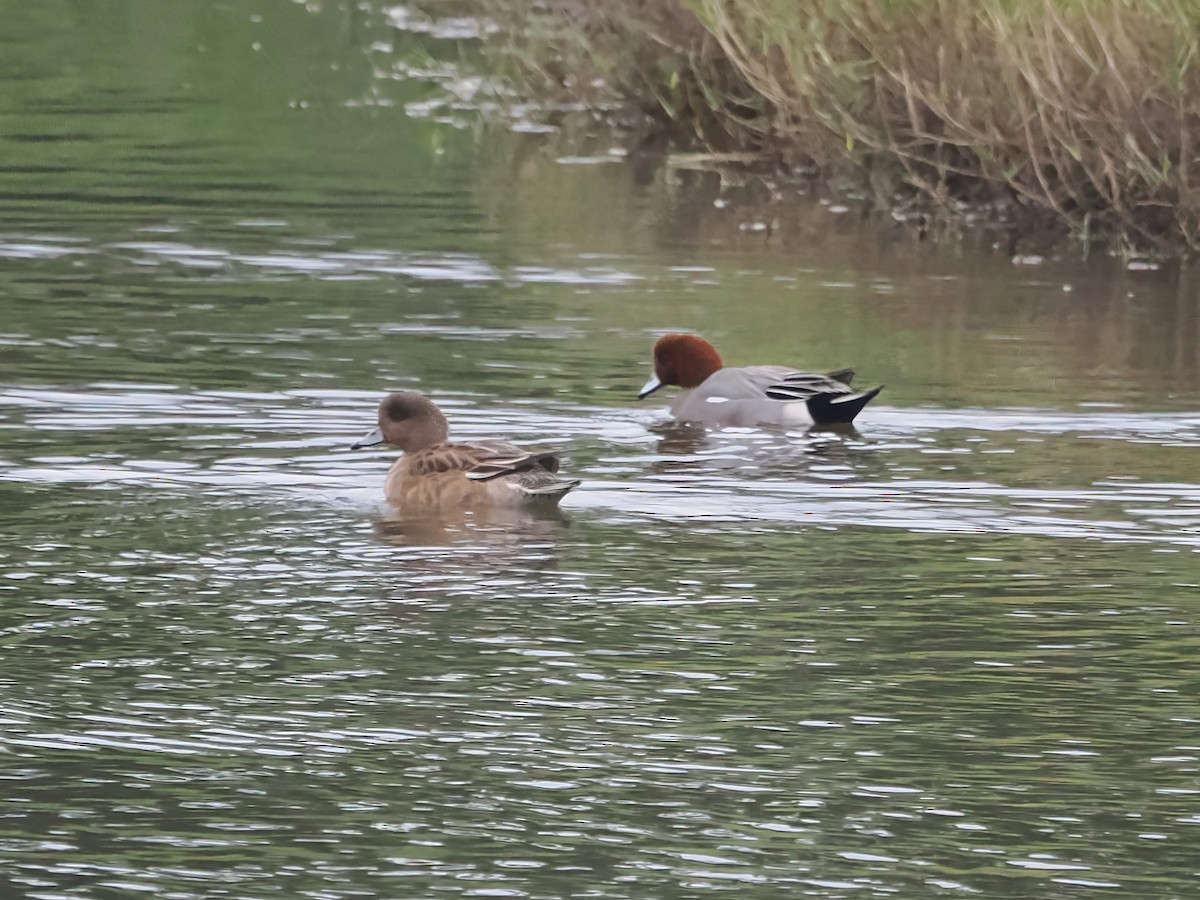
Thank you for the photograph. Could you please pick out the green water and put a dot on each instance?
(952, 655)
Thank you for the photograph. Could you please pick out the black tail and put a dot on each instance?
(839, 409)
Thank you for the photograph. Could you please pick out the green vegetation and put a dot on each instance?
(1086, 112)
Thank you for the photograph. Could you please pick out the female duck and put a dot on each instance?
(751, 395)
(434, 473)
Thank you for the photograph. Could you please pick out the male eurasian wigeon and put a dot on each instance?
(434, 473)
(751, 395)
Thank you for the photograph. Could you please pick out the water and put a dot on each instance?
(951, 655)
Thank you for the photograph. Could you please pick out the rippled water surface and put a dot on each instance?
(952, 654)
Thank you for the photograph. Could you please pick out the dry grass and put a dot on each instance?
(1085, 109)
(654, 57)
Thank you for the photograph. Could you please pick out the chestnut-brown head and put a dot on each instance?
(407, 420)
(682, 359)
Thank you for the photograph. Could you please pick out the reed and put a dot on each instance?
(1084, 110)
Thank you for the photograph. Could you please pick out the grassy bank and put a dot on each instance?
(1086, 112)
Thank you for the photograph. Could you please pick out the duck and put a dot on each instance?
(434, 473)
(714, 394)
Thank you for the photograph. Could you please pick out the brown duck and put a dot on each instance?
(434, 473)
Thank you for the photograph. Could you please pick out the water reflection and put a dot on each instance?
(681, 438)
(505, 529)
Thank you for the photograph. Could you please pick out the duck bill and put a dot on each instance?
(375, 437)
(649, 387)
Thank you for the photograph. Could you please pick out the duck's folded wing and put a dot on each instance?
(494, 459)
(478, 461)
(845, 376)
(806, 385)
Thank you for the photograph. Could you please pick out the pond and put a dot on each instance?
(950, 654)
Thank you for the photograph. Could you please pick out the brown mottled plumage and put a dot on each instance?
(435, 473)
